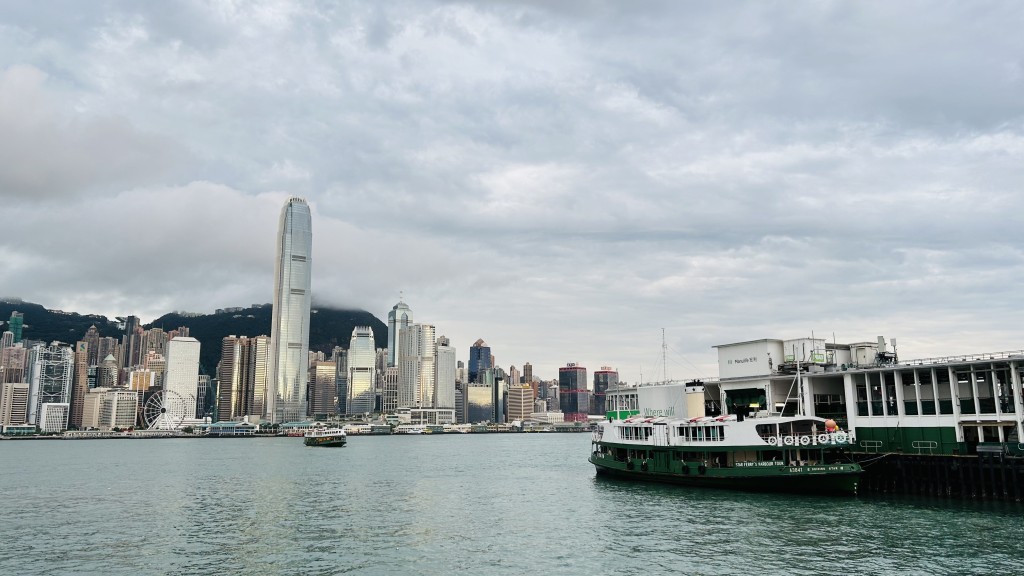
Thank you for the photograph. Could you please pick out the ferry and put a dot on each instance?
(779, 454)
(326, 437)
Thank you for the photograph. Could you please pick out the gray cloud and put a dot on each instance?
(562, 180)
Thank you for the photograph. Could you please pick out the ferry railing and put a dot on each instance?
(928, 445)
(869, 445)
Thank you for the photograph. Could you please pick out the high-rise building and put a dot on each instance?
(520, 402)
(513, 376)
(15, 325)
(49, 377)
(339, 357)
(479, 359)
(389, 390)
(6, 339)
(242, 377)
(399, 317)
(106, 347)
(444, 380)
(53, 416)
(92, 343)
(131, 343)
(528, 376)
(289, 332)
(362, 372)
(479, 403)
(417, 356)
(13, 403)
(91, 407)
(573, 396)
(13, 364)
(494, 379)
(605, 378)
(181, 384)
(204, 399)
(323, 389)
(106, 374)
(80, 386)
(118, 408)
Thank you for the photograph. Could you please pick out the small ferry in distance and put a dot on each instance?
(326, 437)
(776, 453)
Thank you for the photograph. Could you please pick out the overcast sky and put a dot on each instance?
(561, 179)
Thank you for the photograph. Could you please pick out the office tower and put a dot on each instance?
(227, 377)
(340, 359)
(139, 380)
(242, 377)
(53, 416)
(117, 409)
(204, 402)
(520, 402)
(494, 379)
(479, 359)
(106, 374)
(479, 403)
(460, 406)
(13, 363)
(399, 317)
(49, 377)
(91, 408)
(573, 396)
(362, 371)
(13, 403)
(605, 378)
(15, 325)
(389, 390)
(528, 376)
(444, 380)
(289, 332)
(106, 347)
(81, 383)
(460, 372)
(92, 343)
(181, 383)
(131, 343)
(6, 339)
(417, 355)
(323, 389)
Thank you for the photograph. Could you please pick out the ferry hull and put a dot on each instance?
(326, 441)
(792, 479)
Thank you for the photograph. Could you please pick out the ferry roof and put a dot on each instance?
(747, 342)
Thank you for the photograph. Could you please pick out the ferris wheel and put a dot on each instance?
(167, 409)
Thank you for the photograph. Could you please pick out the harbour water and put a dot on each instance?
(455, 504)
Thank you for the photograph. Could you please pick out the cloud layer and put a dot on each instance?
(562, 181)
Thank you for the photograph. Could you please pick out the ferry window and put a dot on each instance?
(721, 432)
(765, 431)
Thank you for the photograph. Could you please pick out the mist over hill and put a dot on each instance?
(329, 327)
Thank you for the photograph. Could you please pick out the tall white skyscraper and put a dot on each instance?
(444, 381)
(181, 383)
(417, 354)
(49, 378)
(289, 332)
(362, 375)
(399, 317)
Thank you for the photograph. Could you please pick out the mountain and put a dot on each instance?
(329, 327)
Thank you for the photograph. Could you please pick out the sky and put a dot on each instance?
(563, 180)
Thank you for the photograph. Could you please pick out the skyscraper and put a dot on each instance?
(181, 383)
(479, 360)
(81, 383)
(362, 371)
(323, 389)
(444, 381)
(417, 355)
(289, 332)
(242, 377)
(604, 378)
(573, 396)
(399, 317)
(49, 377)
(15, 324)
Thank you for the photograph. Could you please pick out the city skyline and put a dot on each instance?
(560, 181)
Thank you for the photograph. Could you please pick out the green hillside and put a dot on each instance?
(329, 327)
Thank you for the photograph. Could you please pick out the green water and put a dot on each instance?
(460, 504)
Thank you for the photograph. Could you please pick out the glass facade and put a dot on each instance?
(362, 371)
(479, 360)
(290, 325)
(574, 399)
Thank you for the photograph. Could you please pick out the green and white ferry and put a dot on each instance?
(765, 452)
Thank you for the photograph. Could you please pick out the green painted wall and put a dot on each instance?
(933, 440)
